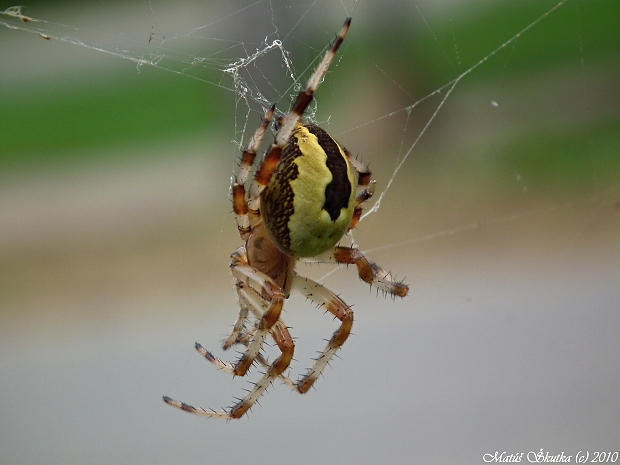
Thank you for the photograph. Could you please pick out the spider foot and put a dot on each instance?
(219, 363)
(240, 368)
(370, 272)
(197, 410)
(304, 383)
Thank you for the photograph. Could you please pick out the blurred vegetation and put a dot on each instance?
(576, 31)
(579, 36)
(61, 122)
(57, 123)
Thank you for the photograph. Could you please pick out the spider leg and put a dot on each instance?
(324, 298)
(368, 271)
(247, 216)
(269, 292)
(263, 297)
(365, 187)
(255, 303)
(283, 339)
(244, 338)
(305, 96)
(249, 300)
(239, 324)
(292, 118)
(260, 295)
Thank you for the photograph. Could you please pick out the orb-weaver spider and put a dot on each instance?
(306, 194)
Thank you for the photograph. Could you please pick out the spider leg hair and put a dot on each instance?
(285, 343)
(244, 307)
(326, 299)
(244, 338)
(247, 215)
(292, 118)
(368, 271)
(280, 334)
(365, 187)
(269, 291)
(305, 97)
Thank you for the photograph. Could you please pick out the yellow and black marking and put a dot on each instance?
(308, 204)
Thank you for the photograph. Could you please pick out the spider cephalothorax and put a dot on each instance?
(305, 195)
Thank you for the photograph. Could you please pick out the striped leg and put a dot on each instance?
(269, 291)
(365, 187)
(244, 339)
(326, 299)
(261, 295)
(305, 96)
(290, 121)
(285, 344)
(239, 324)
(247, 217)
(368, 271)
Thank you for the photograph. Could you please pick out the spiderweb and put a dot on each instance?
(256, 64)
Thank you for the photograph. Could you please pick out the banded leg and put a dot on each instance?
(368, 271)
(285, 344)
(244, 339)
(247, 217)
(365, 187)
(266, 306)
(257, 306)
(305, 96)
(249, 300)
(323, 298)
(326, 299)
(269, 292)
(257, 293)
(239, 325)
(292, 118)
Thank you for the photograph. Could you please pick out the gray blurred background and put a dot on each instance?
(116, 230)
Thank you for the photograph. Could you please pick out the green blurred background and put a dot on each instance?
(115, 229)
(55, 122)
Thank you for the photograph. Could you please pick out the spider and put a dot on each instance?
(306, 194)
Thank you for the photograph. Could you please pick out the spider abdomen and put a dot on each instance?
(308, 204)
